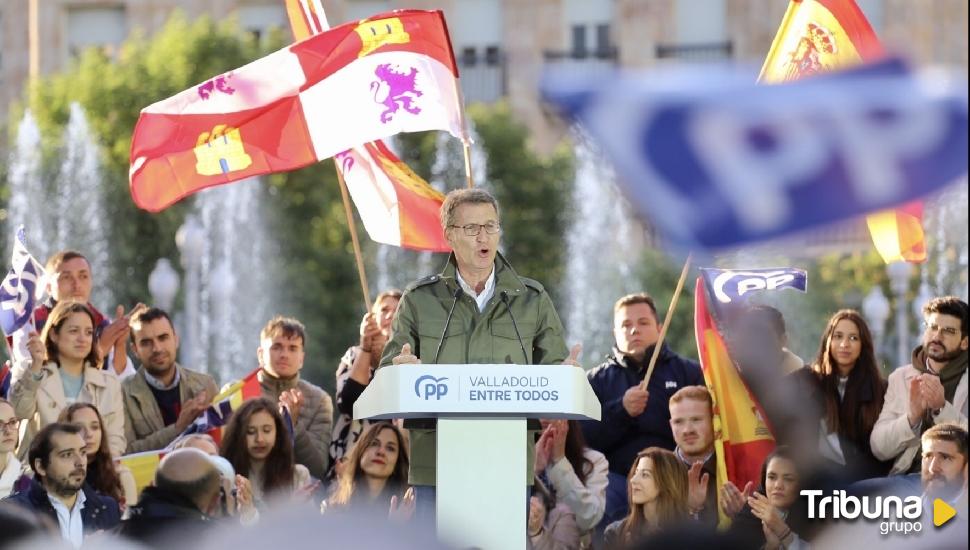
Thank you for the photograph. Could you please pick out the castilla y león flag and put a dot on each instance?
(396, 205)
(356, 83)
(821, 35)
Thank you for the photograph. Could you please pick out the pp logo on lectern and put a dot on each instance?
(428, 386)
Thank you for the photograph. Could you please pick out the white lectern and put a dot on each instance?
(482, 441)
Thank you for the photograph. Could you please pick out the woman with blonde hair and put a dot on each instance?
(657, 497)
(64, 369)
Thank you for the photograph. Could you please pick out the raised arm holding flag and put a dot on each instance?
(20, 293)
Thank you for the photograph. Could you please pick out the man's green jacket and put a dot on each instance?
(486, 337)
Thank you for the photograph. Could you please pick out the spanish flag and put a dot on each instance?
(742, 437)
(822, 35)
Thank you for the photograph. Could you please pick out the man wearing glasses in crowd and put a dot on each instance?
(930, 391)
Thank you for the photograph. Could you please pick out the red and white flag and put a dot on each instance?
(396, 205)
(356, 83)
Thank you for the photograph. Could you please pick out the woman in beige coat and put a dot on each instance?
(60, 373)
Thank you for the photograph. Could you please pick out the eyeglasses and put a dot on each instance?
(945, 331)
(11, 425)
(473, 229)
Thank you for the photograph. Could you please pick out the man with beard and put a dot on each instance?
(944, 472)
(58, 491)
(932, 390)
(692, 423)
(163, 398)
(355, 372)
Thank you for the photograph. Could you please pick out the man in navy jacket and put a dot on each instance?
(633, 418)
(58, 490)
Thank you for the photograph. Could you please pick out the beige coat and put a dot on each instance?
(145, 430)
(39, 402)
(892, 437)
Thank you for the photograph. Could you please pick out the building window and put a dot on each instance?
(469, 57)
(578, 45)
(604, 47)
(102, 26)
(493, 56)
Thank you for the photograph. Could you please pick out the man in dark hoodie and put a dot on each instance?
(634, 418)
(185, 494)
(932, 390)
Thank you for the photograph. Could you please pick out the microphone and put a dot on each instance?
(447, 322)
(505, 300)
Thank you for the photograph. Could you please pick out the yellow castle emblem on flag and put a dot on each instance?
(220, 152)
(378, 32)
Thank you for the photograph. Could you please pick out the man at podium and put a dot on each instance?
(476, 310)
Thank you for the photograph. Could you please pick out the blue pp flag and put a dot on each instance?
(21, 288)
(715, 160)
(730, 286)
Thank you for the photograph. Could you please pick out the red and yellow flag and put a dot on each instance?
(397, 206)
(742, 436)
(816, 36)
(306, 18)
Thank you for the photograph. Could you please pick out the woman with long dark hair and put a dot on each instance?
(575, 474)
(104, 474)
(376, 471)
(64, 368)
(657, 497)
(851, 390)
(259, 447)
(775, 517)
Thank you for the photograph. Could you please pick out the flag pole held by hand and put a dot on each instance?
(667, 318)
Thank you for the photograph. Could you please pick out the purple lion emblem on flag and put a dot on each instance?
(395, 90)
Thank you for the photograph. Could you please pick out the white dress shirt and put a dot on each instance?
(72, 527)
(487, 292)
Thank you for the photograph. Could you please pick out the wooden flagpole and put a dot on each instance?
(306, 10)
(667, 319)
(465, 142)
(353, 236)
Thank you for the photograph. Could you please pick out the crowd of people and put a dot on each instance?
(649, 466)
